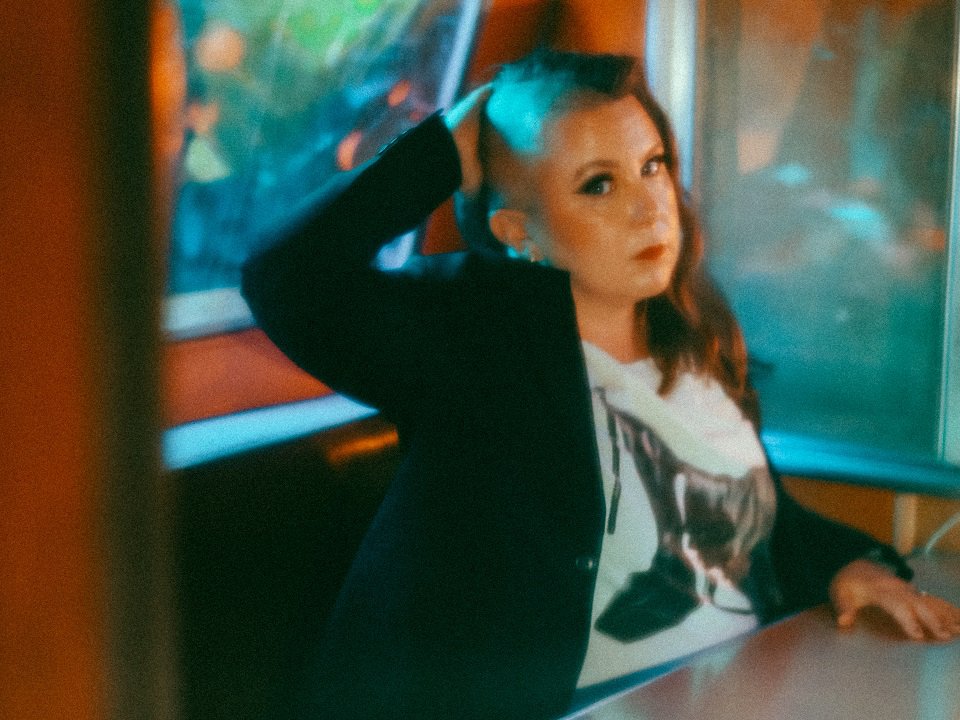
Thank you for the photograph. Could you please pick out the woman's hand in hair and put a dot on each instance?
(463, 120)
(863, 584)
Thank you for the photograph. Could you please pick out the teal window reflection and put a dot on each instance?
(825, 150)
(281, 95)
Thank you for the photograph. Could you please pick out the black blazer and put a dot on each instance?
(471, 594)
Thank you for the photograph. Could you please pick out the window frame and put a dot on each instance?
(224, 384)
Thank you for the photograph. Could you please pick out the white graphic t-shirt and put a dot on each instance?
(690, 505)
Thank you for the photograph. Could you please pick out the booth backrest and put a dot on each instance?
(262, 543)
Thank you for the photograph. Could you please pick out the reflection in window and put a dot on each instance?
(825, 146)
(283, 93)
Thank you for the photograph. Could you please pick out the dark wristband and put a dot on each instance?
(887, 558)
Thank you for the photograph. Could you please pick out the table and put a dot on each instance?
(803, 668)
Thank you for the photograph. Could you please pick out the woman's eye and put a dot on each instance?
(654, 165)
(597, 185)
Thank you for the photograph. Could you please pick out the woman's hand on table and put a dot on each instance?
(863, 584)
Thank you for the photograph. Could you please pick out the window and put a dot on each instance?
(823, 137)
(282, 94)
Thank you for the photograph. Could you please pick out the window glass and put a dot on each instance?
(825, 147)
(282, 94)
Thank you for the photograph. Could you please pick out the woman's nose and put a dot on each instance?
(643, 207)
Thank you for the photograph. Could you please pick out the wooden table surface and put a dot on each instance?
(803, 668)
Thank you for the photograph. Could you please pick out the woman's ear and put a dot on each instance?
(510, 227)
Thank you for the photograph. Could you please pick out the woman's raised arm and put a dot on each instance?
(464, 120)
(315, 292)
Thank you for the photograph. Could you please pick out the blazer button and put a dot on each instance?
(586, 563)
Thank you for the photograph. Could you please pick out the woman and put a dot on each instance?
(583, 494)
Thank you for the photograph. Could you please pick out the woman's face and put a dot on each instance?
(606, 210)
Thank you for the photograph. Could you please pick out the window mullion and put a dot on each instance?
(949, 440)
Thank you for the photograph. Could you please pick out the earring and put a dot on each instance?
(530, 252)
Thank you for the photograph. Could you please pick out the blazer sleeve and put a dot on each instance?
(809, 549)
(365, 332)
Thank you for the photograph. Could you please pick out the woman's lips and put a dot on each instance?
(651, 253)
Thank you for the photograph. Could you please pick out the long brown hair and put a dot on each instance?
(689, 326)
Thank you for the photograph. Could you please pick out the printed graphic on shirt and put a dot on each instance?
(712, 534)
